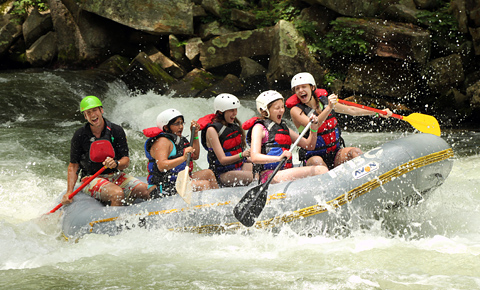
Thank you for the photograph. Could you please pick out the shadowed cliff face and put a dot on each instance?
(406, 53)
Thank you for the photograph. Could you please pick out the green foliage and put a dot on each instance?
(181, 43)
(21, 7)
(441, 23)
(343, 39)
(330, 77)
(269, 12)
(309, 31)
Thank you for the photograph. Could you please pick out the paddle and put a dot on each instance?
(99, 150)
(421, 122)
(253, 202)
(184, 182)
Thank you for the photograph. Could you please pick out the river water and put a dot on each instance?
(434, 245)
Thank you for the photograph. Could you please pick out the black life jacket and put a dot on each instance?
(87, 166)
(230, 137)
(165, 179)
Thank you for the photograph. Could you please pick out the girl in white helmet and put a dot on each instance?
(270, 140)
(224, 139)
(307, 100)
(167, 151)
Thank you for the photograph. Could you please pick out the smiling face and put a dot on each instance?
(230, 115)
(276, 110)
(176, 127)
(304, 92)
(94, 116)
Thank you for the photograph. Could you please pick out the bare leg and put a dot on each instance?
(204, 179)
(140, 191)
(316, 160)
(346, 154)
(298, 172)
(113, 193)
(236, 177)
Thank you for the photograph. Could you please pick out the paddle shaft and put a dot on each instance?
(80, 188)
(191, 144)
(368, 108)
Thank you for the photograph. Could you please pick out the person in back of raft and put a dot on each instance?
(330, 148)
(270, 140)
(112, 185)
(167, 151)
(224, 140)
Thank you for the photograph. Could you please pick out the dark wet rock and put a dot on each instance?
(171, 67)
(401, 13)
(198, 11)
(385, 77)
(243, 19)
(475, 33)
(35, 26)
(116, 65)
(473, 94)
(193, 83)
(290, 55)
(212, 29)
(192, 50)
(10, 31)
(155, 17)
(177, 52)
(251, 69)
(319, 17)
(143, 75)
(393, 39)
(444, 73)
(230, 84)
(253, 74)
(213, 6)
(226, 49)
(427, 4)
(366, 8)
(81, 37)
(42, 51)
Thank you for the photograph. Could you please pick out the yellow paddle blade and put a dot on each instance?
(423, 123)
(184, 185)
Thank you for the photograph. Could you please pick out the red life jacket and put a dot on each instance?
(293, 100)
(329, 135)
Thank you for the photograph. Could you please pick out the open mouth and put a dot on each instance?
(303, 97)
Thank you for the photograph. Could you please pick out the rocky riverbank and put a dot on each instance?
(409, 55)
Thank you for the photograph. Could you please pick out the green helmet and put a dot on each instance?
(90, 102)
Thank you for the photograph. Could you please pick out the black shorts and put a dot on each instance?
(328, 158)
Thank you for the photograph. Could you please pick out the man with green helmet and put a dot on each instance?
(112, 186)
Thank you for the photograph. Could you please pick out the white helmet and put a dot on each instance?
(225, 102)
(166, 116)
(266, 98)
(302, 79)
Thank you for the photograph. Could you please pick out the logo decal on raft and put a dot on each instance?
(365, 170)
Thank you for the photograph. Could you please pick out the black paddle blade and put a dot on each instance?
(251, 205)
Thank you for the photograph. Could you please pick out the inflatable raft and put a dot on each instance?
(397, 173)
